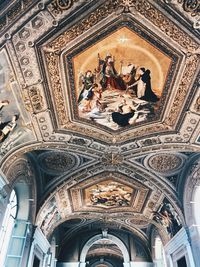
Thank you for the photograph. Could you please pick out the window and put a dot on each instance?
(197, 208)
(159, 253)
(182, 262)
(7, 225)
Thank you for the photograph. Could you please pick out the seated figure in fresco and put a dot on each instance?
(7, 128)
(144, 90)
(126, 114)
(110, 78)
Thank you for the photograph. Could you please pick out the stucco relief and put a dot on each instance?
(165, 163)
(57, 162)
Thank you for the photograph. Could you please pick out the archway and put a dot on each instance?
(104, 236)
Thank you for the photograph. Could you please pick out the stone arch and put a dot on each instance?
(191, 184)
(110, 237)
(108, 264)
(22, 180)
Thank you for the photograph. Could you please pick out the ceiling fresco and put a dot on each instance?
(114, 79)
(108, 194)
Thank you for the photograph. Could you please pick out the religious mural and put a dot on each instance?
(50, 215)
(12, 115)
(119, 80)
(108, 194)
(168, 218)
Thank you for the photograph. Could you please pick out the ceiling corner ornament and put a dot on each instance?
(112, 159)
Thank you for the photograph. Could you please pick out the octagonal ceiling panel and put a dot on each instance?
(118, 80)
(109, 192)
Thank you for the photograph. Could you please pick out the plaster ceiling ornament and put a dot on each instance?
(58, 162)
(165, 163)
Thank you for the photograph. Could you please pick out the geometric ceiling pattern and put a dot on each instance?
(104, 149)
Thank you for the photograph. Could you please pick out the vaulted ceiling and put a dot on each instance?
(45, 48)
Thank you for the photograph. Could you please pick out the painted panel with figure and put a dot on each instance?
(119, 80)
(13, 117)
(168, 218)
(109, 194)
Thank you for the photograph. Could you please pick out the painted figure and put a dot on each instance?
(110, 78)
(7, 128)
(168, 218)
(87, 86)
(126, 114)
(4, 103)
(144, 90)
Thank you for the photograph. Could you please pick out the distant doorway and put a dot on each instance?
(182, 262)
(36, 262)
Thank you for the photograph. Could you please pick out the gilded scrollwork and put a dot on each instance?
(192, 7)
(192, 63)
(164, 24)
(59, 6)
(53, 66)
(108, 8)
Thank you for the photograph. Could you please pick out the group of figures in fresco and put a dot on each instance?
(6, 127)
(110, 194)
(116, 99)
(168, 218)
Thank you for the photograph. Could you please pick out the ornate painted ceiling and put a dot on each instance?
(90, 161)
